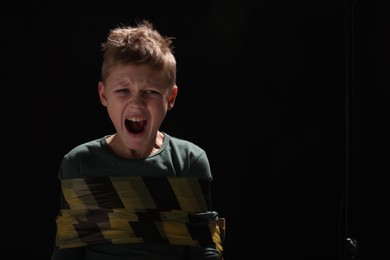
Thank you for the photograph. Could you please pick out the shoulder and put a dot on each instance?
(184, 146)
(187, 156)
(82, 157)
(86, 148)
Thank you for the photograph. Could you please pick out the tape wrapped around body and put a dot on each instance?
(163, 210)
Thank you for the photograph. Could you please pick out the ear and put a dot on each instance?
(172, 97)
(102, 93)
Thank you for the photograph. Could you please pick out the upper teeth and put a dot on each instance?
(136, 119)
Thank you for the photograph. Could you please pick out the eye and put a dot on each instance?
(123, 91)
(151, 92)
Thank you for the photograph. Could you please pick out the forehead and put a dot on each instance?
(134, 72)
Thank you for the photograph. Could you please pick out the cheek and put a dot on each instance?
(159, 107)
(161, 112)
(114, 111)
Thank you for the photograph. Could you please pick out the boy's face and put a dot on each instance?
(137, 100)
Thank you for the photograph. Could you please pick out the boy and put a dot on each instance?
(138, 193)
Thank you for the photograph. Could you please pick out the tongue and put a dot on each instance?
(136, 127)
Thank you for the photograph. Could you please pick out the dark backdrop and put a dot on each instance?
(262, 88)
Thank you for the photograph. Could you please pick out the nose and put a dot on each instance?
(136, 101)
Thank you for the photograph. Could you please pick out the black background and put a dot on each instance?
(262, 88)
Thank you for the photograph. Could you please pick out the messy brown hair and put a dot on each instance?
(141, 44)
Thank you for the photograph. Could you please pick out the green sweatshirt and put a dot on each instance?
(176, 157)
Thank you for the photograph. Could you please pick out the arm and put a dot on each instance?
(200, 167)
(68, 253)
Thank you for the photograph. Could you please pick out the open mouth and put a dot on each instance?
(135, 125)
